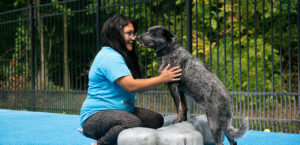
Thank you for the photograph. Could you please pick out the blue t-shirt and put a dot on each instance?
(103, 92)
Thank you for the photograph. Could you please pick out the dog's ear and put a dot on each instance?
(168, 35)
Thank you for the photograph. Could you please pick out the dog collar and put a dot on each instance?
(163, 52)
(166, 50)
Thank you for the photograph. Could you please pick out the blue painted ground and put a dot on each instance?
(39, 128)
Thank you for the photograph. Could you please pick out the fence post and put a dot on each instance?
(298, 27)
(98, 24)
(189, 47)
(32, 58)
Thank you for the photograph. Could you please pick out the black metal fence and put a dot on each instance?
(253, 46)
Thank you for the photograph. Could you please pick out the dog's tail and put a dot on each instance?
(237, 133)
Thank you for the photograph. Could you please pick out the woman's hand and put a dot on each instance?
(130, 84)
(172, 74)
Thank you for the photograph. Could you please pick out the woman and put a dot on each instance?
(114, 78)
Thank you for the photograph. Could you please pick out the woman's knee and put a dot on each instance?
(131, 122)
(158, 121)
(149, 118)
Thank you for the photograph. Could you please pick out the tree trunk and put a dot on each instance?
(66, 68)
(41, 76)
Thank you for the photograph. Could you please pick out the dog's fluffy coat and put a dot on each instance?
(197, 82)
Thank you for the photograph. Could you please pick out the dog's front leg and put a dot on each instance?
(183, 106)
(180, 103)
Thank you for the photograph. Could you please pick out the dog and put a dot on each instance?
(197, 82)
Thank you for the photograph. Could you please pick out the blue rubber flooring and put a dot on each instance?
(40, 128)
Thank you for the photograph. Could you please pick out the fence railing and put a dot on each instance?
(253, 47)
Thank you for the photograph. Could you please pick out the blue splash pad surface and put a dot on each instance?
(41, 128)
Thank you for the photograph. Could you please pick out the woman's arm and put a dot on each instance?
(135, 85)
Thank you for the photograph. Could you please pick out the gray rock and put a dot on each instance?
(183, 133)
(201, 124)
(195, 131)
(138, 136)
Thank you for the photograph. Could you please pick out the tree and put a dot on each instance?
(66, 68)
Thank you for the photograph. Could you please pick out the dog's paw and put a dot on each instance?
(176, 121)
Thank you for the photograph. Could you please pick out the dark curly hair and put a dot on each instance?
(111, 36)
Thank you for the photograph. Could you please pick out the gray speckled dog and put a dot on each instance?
(197, 81)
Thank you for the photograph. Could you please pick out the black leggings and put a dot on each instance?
(105, 126)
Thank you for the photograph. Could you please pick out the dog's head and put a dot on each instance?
(157, 37)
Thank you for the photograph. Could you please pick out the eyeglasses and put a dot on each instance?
(131, 34)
